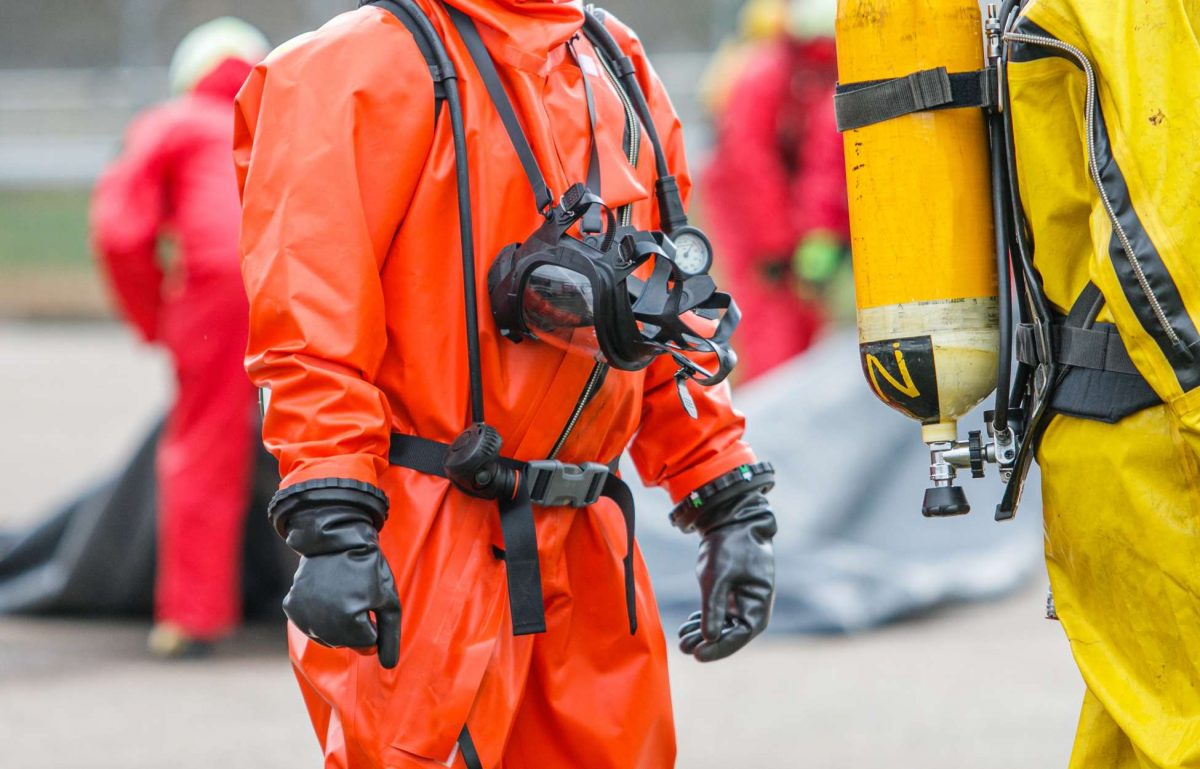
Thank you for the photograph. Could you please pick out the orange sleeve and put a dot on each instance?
(671, 449)
(331, 133)
(128, 211)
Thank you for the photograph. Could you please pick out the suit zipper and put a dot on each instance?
(632, 149)
(588, 391)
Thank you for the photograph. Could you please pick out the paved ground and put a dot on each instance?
(985, 687)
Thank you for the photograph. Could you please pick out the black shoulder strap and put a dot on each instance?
(592, 220)
(491, 79)
(1086, 307)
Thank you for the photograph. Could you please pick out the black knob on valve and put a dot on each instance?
(944, 501)
(978, 455)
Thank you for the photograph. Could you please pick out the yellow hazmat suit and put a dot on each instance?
(1111, 190)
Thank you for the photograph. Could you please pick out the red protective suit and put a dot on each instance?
(175, 178)
(351, 258)
(777, 175)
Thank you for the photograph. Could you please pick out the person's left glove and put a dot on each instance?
(343, 578)
(736, 570)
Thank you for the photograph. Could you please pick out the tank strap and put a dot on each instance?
(542, 483)
(1100, 381)
(874, 101)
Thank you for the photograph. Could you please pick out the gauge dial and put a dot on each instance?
(693, 253)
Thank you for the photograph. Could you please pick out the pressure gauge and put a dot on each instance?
(693, 252)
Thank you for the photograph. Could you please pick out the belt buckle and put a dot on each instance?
(557, 484)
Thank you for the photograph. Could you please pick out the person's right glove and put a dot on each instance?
(343, 578)
(736, 570)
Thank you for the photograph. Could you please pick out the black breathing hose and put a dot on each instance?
(624, 70)
(1036, 300)
(1033, 304)
(468, 250)
(449, 79)
(1001, 188)
(1003, 280)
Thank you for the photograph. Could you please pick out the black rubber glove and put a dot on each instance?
(343, 577)
(736, 569)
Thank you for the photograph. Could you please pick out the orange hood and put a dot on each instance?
(528, 28)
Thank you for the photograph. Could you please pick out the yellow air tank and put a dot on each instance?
(921, 225)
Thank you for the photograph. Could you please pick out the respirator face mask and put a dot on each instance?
(618, 297)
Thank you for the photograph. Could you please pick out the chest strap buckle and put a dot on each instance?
(557, 484)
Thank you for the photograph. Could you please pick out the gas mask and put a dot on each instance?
(620, 297)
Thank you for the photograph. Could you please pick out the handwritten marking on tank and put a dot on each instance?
(874, 366)
(902, 373)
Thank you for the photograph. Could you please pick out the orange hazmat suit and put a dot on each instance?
(350, 257)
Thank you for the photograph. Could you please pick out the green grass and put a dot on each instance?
(44, 229)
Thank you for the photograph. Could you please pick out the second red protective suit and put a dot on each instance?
(174, 179)
(777, 177)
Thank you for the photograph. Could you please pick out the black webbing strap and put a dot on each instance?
(466, 746)
(1099, 348)
(1079, 341)
(1099, 380)
(873, 101)
(516, 526)
(520, 535)
(618, 491)
(1086, 308)
(491, 80)
(593, 220)
(521, 564)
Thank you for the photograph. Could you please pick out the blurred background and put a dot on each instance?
(897, 640)
(73, 73)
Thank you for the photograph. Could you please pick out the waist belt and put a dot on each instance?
(548, 483)
(1100, 381)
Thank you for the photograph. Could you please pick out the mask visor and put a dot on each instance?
(558, 307)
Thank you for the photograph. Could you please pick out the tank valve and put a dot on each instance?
(943, 498)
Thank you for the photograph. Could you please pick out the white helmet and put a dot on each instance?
(812, 18)
(211, 43)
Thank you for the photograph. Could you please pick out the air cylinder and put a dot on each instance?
(921, 217)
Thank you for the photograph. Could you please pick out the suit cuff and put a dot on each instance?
(365, 468)
(684, 483)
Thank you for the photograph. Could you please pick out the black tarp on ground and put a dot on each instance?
(96, 555)
(853, 550)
